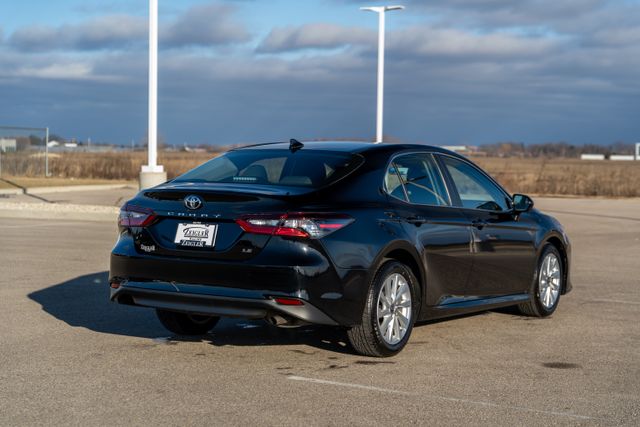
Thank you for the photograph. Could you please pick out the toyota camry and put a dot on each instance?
(367, 237)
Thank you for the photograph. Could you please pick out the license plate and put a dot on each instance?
(196, 235)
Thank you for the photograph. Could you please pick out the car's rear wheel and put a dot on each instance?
(389, 313)
(186, 324)
(547, 286)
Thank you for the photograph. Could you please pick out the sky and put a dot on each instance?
(234, 72)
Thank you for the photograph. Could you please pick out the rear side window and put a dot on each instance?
(416, 177)
(476, 191)
(303, 168)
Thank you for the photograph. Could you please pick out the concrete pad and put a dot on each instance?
(68, 356)
(111, 197)
(35, 210)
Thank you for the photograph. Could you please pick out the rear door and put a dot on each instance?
(502, 243)
(439, 230)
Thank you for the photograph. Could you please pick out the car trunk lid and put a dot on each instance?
(213, 222)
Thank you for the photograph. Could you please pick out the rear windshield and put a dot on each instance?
(302, 168)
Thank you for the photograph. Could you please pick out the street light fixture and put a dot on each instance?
(380, 10)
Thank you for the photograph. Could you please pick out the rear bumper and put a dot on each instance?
(331, 295)
(212, 301)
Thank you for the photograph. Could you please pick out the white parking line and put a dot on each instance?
(615, 301)
(364, 387)
(444, 398)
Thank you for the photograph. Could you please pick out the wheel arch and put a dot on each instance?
(406, 254)
(557, 242)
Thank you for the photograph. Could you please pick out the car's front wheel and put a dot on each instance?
(186, 324)
(389, 313)
(547, 286)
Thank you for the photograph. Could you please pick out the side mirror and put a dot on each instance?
(522, 203)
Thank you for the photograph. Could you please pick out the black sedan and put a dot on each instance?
(367, 237)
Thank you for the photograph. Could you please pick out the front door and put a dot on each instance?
(502, 243)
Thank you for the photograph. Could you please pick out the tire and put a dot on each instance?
(367, 338)
(543, 302)
(186, 324)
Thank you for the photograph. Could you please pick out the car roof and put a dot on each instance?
(349, 146)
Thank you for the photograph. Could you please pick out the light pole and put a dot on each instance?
(153, 174)
(380, 10)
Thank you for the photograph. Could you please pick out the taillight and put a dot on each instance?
(297, 224)
(135, 216)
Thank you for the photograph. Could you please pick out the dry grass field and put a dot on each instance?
(113, 165)
(565, 176)
(559, 176)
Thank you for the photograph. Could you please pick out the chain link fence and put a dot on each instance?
(24, 151)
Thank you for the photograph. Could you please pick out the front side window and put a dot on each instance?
(416, 177)
(476, 191)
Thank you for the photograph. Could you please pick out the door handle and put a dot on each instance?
(478, 223)
(416, 220)
(392, 215)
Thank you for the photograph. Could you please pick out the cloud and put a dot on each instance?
(617, 36)
(460, 72)
(418, 40)
(535, 15)
(205, 25)
(467, 45)
(20, 67)
(107, 32)
(201, 25)
(66, 71)
(314, 36)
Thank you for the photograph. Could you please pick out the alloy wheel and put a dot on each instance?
(394, 308)
(549, 281)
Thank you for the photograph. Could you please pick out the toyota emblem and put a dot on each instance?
(193, 202)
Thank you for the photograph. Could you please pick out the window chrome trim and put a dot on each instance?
(404, 189)
(486, 175)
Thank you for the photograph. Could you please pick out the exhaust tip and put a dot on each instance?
(281, 321)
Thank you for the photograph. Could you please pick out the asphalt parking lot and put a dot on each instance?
(70, 357)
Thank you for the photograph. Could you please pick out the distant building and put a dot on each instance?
(622, 157)
(591, 156)
(8, 145)
(53, 144)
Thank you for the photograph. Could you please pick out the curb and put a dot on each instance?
(11, 192)
(59, 211)
(61, 189)
(72, 188)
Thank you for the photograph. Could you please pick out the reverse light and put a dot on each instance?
(135, 216)
(297, 224)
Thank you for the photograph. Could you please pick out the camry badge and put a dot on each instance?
(193, 202)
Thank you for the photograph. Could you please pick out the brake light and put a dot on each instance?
(297, 224)
(135, 216)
